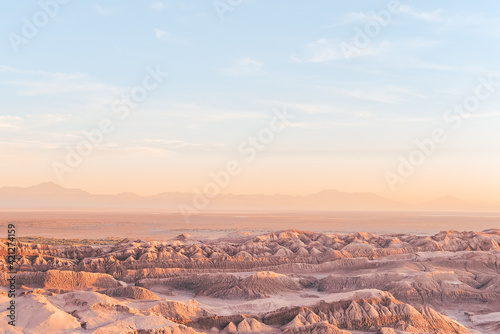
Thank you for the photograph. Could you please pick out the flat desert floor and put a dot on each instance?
(69, 224)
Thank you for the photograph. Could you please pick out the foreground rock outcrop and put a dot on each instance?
(65, 280)
(133, 292)
(227, 286)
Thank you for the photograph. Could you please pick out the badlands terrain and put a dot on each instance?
(289, 281)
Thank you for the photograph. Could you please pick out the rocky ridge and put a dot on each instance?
(389, 283)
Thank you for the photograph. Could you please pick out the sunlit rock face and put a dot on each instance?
(281, 282)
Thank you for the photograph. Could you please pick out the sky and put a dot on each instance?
(172, 92)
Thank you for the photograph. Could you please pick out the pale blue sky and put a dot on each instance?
(353, 118)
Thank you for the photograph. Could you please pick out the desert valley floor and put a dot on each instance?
(288, 281)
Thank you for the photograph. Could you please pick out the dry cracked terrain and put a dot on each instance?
(283, 282)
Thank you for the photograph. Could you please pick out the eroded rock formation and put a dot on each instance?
(283, 282)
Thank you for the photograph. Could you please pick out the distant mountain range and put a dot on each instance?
(50, 196)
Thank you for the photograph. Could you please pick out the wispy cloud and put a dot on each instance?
(325, 50)
(321, 50)
(386, 94)
(157, 5)
(419, 43)
(477, 23)
(328, 124)
(61, 75)
(162, 35)
(166, 36)
(178, 146)
(25, 147)
(146, 151)
(429, 16)
(488, 114)
(352, 17)
(10, 122)
(103, 11)
(51, 118)
(312, 108)
(244, 67)
(31, 121)
(201, 112)
(169, 144)
(32, 83)
(436, 66)
(161, 5)
(316, 108)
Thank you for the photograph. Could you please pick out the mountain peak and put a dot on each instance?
(47, 186)
(325, 192)
(447, 199)
(53, 188)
